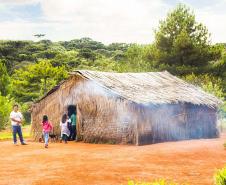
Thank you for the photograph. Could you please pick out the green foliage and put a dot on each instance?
(87, 54)
(219, 69)
(220, 177)
(83, 43)
(212, 85)
(208, 83)
(25, 109)
(4, 80)
(35, 80)
(181, 41)
(157, 182)
(6, 104)
(118, 46)
(7, 133)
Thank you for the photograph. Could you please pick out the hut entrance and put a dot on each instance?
(71, 109)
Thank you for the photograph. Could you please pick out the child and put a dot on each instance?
(64, 128)
(46, 128)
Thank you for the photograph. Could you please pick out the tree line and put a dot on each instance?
(181, 46)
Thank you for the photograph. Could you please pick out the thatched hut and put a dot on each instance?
(136, 108)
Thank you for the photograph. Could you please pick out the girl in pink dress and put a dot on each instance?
(46, 129)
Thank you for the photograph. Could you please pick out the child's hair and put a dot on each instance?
(15, 105)
(64, 118)
(45, 118)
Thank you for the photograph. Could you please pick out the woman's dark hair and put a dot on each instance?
(64, 118)
(45, 118)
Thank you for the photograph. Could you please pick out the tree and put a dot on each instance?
(4, 80)
(181, 41)
(208, 83)
(87, 54)
(34, 80)
(220, 68)
(118, 46)
(82, 43)
(6, 105)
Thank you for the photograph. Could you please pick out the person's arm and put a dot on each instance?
(21, 118)
(13, 119)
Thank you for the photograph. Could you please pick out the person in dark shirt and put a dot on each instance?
(73, 126)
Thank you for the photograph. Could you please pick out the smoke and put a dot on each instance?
(182, 121)
(103, 99)
(156, 123)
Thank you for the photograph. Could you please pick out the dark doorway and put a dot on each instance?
(72, 125)
(71, 110)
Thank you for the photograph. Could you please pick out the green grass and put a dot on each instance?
(220, 177)
(157, 182)
(7, 134)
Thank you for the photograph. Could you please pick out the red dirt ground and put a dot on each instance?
(193, 162)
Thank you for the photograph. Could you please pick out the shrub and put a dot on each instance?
(6, 105)
(220, 177)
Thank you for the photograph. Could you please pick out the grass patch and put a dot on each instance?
(7, 133)
(220, 177)
(157, 182)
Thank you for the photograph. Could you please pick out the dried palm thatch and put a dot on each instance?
(151, 87)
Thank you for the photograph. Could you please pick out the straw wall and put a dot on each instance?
(105, 117)
(101, 117)
(170, 122)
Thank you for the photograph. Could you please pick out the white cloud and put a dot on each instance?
(17, 2)
(213, 17)
(106, 20)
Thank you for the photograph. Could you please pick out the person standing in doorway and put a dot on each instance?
(73, 126)
(16, 122)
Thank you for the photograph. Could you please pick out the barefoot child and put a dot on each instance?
(65, 132)
(46, 129)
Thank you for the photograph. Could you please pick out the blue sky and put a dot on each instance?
(104, 20)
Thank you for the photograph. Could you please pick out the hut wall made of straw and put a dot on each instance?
(105, 116)
(102, 116)
(172, 122)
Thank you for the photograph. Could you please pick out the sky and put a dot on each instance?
(130, 21)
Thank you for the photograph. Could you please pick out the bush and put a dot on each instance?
(220, 177)
(208, 83)
(6, 105)
(25, 109)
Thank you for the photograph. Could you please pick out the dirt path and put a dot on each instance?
(78, 163)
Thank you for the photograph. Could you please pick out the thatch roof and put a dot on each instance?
(150, 87)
